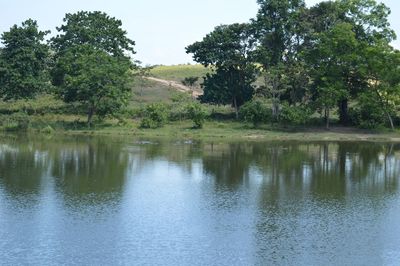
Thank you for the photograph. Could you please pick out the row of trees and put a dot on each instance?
(315, 58)
(89, 62)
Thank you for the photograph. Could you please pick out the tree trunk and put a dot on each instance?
(235, 105)
(327, 114)
(390, 120)
(344, 112)
(90, 116)
(385, 109)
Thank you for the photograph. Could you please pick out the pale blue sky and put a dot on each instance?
(161, 28)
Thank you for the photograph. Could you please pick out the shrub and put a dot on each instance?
(178, 112)
(256, 111)
(154, 116)
(298, 115)
(368, 112)
(47, 130)
(16, 122)
(196, 113)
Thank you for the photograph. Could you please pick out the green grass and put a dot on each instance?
(147, 91)
(42, 104)
(179, 72)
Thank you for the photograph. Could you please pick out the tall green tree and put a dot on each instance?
(369, 26)
(279, 31)
(23, 61)
(382, 68)
(95, 79)
(229, 50)
(332, 57)
(93, 62)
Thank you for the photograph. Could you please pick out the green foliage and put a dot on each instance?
(95, 29)
(368, 113)
(47, 130)
(91, 62)
(95, 79)
(278, 29)
(229, 49)
(190, 81)
(196, 113)
(222, 87)
(294, 114)
(256, 111)
(41, 105)
(16, 122)
(154, 116)
(23, 62)
(383, 72)
(177, 110)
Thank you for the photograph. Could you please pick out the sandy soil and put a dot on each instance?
(179, 87)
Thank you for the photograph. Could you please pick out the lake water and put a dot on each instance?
(107, 201)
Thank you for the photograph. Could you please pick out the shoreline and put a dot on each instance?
(224, 131)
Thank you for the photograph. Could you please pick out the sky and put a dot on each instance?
(161, 28)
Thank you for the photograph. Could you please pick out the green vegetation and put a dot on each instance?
(179, 72)
(23, 69)
(195, 112)
(91, 65)
(321, 58)
(154, 116)
(288, 69)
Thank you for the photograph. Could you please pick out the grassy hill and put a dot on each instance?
(147, 91)
(179, 72)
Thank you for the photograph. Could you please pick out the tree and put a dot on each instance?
(332, 56)
(95, 79)
(369, 25)
(229, 50)
(23, 62)
(279, 31)
(93, 62)
(190, 81)
(96, 29)
(382, 64)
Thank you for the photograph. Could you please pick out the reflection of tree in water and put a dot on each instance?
(228, 164)
(93, 167)
(316, 173)
(88, 167)
(22, 168)
(287, 168)
(179, 153)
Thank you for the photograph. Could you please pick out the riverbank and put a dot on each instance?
(228, 130)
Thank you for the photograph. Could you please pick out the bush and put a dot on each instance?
(256, 111)
(16, 122)
(178, 112)
(368, 112)
(154, 116)
(47, 130)
(298, 115)
(196, 113)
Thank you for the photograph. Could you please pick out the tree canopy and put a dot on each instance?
(93, 62)
(95, 79)
(96, 29)
(320, 56)
(23, 61)
(229, 50)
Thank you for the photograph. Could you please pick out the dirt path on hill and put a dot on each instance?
(179, 87)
